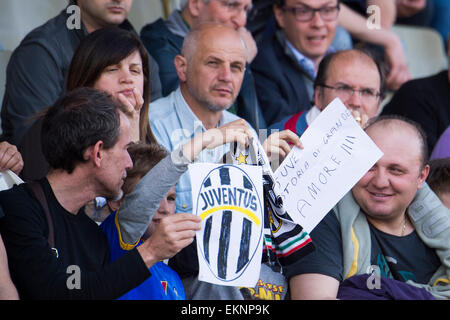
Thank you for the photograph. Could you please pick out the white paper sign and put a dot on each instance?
(229, 199)
(336, 156)
(8, 179)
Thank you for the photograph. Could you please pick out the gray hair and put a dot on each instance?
(190, 41)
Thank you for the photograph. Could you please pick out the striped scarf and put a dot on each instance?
(285, 242)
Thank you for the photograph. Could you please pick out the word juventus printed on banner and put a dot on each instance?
(229, 200)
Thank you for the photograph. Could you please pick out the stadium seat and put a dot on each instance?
(424, 48)
(144, 12)
(17, 18)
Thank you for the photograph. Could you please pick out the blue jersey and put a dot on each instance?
(164, 283)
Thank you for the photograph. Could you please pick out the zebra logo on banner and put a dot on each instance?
(232, 216)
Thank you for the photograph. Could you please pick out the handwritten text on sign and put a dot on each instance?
(337, 154)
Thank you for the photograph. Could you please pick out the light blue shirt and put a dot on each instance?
(305, 62)
(173, 123)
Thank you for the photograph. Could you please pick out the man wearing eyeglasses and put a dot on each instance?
(351, 75)
(164, 39)
(287, 62)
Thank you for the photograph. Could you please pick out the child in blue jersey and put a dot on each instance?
(164, 283)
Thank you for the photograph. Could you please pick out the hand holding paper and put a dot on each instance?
(337, 154)
(278, 145)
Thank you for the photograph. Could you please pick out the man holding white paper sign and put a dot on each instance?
(339, 76)
(337, 154)
(388, 237)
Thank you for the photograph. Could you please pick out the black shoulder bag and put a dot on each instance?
(36, 187)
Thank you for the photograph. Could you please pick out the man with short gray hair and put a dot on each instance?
(164, 39)
(210, 69)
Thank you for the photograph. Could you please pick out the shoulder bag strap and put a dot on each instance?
(40, 196)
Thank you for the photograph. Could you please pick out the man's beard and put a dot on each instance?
(112, 194)
(216, 108)
(116, 197)
(206, 101)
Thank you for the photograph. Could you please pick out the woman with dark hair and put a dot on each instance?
(111, 60)
(115, 61)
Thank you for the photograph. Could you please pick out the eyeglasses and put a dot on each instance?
(235, 7)
(345, 92)
(305, 13)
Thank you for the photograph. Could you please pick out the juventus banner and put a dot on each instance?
(285, 241)
(229, 199)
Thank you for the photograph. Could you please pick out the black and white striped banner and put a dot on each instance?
(229, 200)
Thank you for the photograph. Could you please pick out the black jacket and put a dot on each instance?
(37, 70)
(83, 251)
(426, 101)
(282, 85)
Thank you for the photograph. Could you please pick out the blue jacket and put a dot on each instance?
(163, 284)
(163, 45)
(282, 85)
